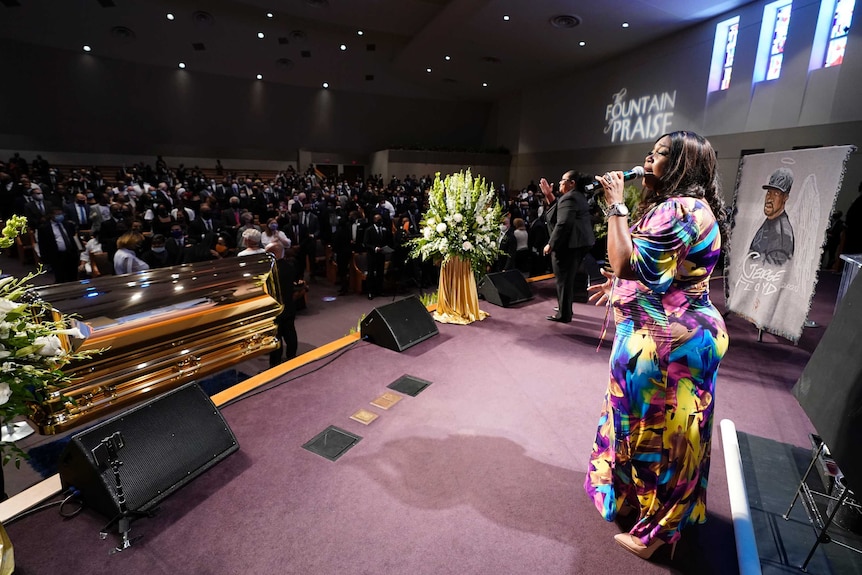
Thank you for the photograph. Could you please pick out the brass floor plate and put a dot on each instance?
(386, 400)
(364, 416)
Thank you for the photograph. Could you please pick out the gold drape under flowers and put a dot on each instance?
(457, 296)
(7, 555)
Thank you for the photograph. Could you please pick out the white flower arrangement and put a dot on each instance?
(34, 346)
(463, 219)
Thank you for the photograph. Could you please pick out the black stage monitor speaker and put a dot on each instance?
(505, 288)
(163, 444)
(399, 325)
(830, 387)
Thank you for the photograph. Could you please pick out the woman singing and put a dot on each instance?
(651, 454)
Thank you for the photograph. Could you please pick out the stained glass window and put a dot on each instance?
(729, 52)
(841, 18)
(723, 54)
(779, 37)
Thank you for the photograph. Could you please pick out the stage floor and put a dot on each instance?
(772, 472)
(480, 473)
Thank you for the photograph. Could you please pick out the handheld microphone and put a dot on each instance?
(635, 172)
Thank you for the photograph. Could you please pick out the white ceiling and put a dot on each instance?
(408, 36)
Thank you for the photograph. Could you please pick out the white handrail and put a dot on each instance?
(746, 545)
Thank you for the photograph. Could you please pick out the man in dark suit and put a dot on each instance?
(37, 209)
(111, 229)
(178, 245)
(342, 248)
(377, 240)
(571, 237)
(57, 246)
(358, 225)
(78, 212)
(205, 223)
(297, 233)
(284, 321)
(538, 237)
(308, 220)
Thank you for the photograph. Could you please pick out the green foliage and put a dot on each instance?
(14, 227)
(428, 299)
(35, 343)
(632, 197)
(358, 327)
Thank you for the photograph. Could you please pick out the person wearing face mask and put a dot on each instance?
(309, 219)
(298, 234)
(342, 249)
(222, 247)
(159, 218)
(100, 211)
(59, 246)
(176, 245)
(78, 212)
(157, 255)
(111, 229)
(232, 217)
(358, 225)
(163, 195)
(137, 225)
(506, 243)
(378, 243)
(273, 234)
(181, 211)
(205, 223)
(37, 209)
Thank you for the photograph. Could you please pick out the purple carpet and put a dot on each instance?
(481, 472)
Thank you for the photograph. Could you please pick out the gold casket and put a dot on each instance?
(159, 329)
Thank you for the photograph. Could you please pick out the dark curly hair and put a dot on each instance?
(691, 172)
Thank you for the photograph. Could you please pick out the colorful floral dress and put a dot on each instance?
(653, 440)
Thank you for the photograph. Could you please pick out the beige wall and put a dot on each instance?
(563, 127)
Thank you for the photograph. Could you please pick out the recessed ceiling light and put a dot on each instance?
(625, 24)
(428, 70)
(506, 18)
(447, 58)
(260, 35)
(260, 76)
(269, 14)
(582, 43)
(182, 65)
(360, 32)
(170, 16)
(484, 84)
(343, 47)
(87, 48)
(326, 84)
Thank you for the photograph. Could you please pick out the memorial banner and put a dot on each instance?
(781, 209)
